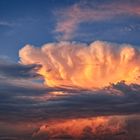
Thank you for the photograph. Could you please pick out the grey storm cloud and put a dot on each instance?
(21, 98)
(24, 100)
(32, 104)
(9, 69)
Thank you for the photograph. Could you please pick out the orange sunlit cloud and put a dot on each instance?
(79, 65)
(76, 128)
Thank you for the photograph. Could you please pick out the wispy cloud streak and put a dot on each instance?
(70, 18)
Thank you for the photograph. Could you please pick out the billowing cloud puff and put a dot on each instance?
(85, 66)
(85, 128)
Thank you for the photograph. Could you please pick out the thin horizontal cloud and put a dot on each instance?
(6, 23)
(32, 103)
(14, 70)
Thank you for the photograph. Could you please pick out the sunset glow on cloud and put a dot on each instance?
(82, 128)
(86, 66)
(70, 70)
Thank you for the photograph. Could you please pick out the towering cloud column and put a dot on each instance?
(85, 66)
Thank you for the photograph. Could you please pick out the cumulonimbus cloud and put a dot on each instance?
(82, 65)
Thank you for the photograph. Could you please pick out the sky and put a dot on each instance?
(38, 22)
(69, 69)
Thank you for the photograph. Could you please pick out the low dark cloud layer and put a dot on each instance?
(21, 98)
(27, 103)
(13, 70)
(24, 101)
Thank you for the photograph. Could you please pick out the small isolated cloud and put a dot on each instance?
(69, 18)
